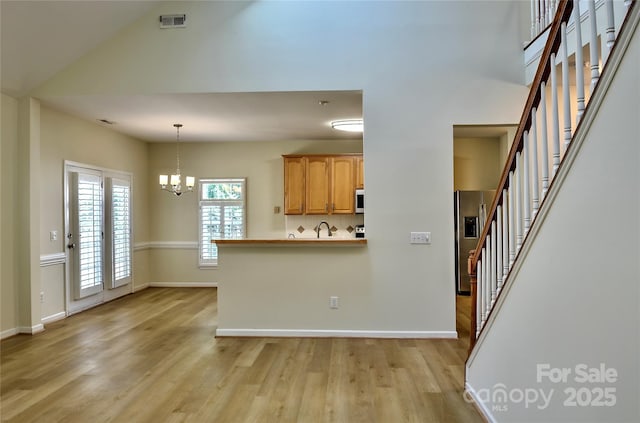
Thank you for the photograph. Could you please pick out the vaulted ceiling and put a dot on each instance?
(41, 38)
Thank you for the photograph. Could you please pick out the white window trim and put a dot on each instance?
(201, 181)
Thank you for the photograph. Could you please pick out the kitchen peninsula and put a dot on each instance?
(285, 287)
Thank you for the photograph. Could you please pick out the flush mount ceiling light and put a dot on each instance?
(349, 125)
(174, 185)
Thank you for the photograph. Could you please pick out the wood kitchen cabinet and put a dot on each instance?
(343, 185)
(327, 184)
(294, 186)
(359, 172)
(318, 184)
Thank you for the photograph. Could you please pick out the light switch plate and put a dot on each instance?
(420, 238)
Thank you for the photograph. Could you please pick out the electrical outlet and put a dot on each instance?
(42, 296)
(420, 238)
(53, 235)
(333, 302)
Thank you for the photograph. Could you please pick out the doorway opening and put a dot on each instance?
(479, 156)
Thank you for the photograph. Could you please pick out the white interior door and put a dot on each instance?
(85, 239)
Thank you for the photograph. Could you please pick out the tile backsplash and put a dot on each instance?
(342, 226)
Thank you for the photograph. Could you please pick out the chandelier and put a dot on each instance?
(174, 184)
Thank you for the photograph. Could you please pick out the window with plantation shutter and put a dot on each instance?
(87, 224)
(222, 214)
(118, 192)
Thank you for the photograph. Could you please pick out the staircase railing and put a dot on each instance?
(542, 140)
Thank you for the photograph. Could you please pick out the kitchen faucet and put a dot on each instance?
(318, 228)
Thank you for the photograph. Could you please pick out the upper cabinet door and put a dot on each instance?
(294, 185)
(359, 172)
(317, 198)
(342, 185)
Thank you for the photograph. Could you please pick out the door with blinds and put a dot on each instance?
(98, 235)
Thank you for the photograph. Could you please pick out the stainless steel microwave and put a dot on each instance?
(359, 201)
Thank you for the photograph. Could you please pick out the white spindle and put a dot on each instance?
(534, 25)
(494, 270)
(555, 120)
(565, 86)
(611, 31)
(517, 200)
(485, 292)
(512, 222)
(526, 195)
(579, 63)
(505, 236)
(535, 192)
(550, 11)
(479, 298)
(544, 143)
(593, 45)
(538, 17)
(499, 248)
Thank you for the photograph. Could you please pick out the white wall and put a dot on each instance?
(422, 66)
(8, 258)
(577, 301)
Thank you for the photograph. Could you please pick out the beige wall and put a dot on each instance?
(176, 218)
(8, 210)
(468, 69)
(64, 137)
(476, 164)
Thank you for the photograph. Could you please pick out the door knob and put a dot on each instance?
(72, 245)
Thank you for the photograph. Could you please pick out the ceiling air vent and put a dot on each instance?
(173, 21)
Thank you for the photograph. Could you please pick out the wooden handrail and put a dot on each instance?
(542, 74)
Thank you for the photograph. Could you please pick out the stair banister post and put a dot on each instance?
(565, 86)
(544, 140)
(593, 45)
(505, 236)
(555, 119)
(579, 63)
(526, 194)
(471, 269)
(499, 248)
(535, 191)
(611, 31)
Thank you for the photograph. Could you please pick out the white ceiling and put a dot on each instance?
(223, 116)
(40, 38)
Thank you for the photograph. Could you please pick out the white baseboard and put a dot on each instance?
(54, 317)
(31, 330)
(316, 333)
(9, 332)
(481, 406)
(183, 284)
(137, 288)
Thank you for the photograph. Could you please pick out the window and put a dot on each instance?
(118, 195)
(87, 225)
(222, 214)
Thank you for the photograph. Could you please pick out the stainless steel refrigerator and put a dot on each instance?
(470, 213)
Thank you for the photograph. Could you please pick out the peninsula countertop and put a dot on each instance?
(292, 242)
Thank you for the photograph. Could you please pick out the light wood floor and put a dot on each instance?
(152, 357)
